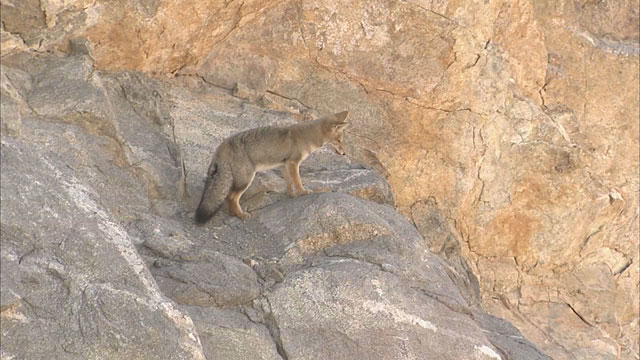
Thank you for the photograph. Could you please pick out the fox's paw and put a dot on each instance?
(244, 215)
(322, 189)
(299, 193)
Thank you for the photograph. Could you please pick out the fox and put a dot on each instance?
(240, 156)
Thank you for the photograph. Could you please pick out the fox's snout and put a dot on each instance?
(337, 148)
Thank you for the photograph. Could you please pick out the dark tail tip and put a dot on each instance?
(202, 216)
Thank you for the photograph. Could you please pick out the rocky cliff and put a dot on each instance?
(506, 130)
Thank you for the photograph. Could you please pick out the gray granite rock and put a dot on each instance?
(232, 335)
(73, 285)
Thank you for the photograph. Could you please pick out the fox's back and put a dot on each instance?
(266, 147)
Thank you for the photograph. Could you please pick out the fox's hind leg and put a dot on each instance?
(241, 182)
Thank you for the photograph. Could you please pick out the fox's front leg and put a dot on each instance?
(287, 178)
(292, 176)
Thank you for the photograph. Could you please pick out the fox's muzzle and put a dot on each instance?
(337, 148)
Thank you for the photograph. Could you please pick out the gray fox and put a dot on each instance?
(238, 158)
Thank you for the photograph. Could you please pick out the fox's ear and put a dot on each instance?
(339, 126)
(341, 116)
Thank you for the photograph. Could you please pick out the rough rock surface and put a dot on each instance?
(101, 258)
(508, 130)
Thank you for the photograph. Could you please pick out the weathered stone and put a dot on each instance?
(519, 121)
(231, 335)
(376, 315)
(13, 104)
(44, 25)
(362, 276)
(216, 280)
(73, 284)
(439, 238)
(506, 338)
(25, 18)
(517, 118)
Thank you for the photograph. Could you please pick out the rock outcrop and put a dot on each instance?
(101, 258)
(507, 130)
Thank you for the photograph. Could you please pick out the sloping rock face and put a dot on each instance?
(508, 130)
(100, 257)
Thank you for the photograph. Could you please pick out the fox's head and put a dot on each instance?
(333, 131)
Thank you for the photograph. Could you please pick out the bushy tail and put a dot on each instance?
(216, 188)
